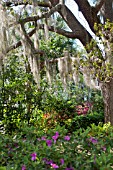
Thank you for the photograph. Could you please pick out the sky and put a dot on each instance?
(74, 8)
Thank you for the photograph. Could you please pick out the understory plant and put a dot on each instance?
(32, 149)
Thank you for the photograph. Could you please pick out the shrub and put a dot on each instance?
(85, 121)
(56, 149)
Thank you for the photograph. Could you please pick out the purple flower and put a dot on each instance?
(103, 148)
(23, 167)
(16, 145)
(55, 166)
(57, 133)
(67, 138)
(33, 156)
(49, 142)
(44, 159)
(43, 138)
(38, 139)
(94, 159)
(62, 161)
(55, 137)
(93, 140)
(48, 162)
(71, 168)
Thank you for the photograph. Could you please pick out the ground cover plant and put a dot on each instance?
(32, 149)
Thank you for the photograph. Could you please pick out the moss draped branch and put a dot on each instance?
(43, 15)
(13, 3)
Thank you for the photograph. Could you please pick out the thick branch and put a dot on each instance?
(18, 44)
(67, 34)
(43, 15)
(89, 12)
(76, 27)
(99, 4)
(51, 28)
(13, 3)
(54, 2)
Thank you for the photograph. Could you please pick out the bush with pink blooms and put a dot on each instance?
(32, 149)
(84, 108)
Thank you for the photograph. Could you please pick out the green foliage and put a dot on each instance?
(19, 94)
(22, 103)
(56, 45)
(44, 108)
(89, 149)
(97, 100)
(100, 60)
(85, 121)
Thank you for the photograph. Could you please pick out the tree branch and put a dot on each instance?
(89, 12)
(18, 44)
(67, 34)
(51, 28)
(75, 25)
(13, 3)
(99, 4)
(43, 15)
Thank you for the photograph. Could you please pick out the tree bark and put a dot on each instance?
(107, 92)
(78, 31)
(108, 10)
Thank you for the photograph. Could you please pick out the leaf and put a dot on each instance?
(2, 168)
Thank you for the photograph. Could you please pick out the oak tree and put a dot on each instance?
(21, 28)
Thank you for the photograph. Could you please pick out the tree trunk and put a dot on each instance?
(107, 10)
(107, 91)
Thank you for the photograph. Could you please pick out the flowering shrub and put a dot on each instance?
(31, 149)
(84, 108)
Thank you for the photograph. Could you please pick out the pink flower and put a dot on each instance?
(93, 140)
(49, 142)
(71, 168)
(33, 156)
(67, 138)
(48, 162)
(38, 139)
(43, 138)
(85, 110)
(55, 166)
(23, 167)
(55, 137)
(103, 148)
(62, 161)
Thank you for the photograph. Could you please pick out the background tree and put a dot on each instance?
(43, 15)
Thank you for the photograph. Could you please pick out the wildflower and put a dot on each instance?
(55, 166)
(62, 161)
(23, 167)
(43, 138)
(67, 138)
(85, 110)
(57, 133)
(44, 159)
(33, 156)
(49, 142)
(103, 148)
(94, 159)
(71, 168)
(48, 162)
(93, 140)
(55, 137)
(38, 139)
(16, 145)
